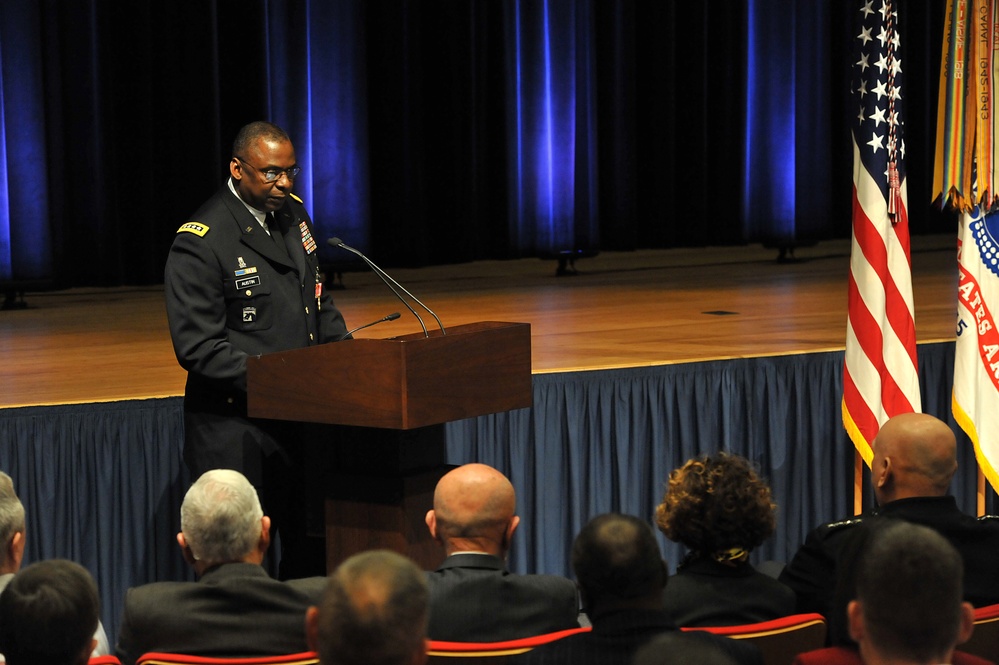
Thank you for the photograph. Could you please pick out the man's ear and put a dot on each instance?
(235, 169)
(883, 474)
(511, 527)
(312, 628)
(431, 520)
(15, 550)
(185, 550)
(967, 625)
(265, 534)
(855, 620)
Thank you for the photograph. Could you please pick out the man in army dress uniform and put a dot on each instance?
(242, 279)
(915, 458)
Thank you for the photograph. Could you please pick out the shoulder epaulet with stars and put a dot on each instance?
(197, 228)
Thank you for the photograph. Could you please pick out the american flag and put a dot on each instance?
(880, 378)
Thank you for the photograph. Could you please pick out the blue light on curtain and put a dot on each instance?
(552, 126)
(6, 266)
(316, 63)
(769, 182)
(24, 212)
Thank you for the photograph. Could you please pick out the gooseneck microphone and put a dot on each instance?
(393, 285)
(391, 317)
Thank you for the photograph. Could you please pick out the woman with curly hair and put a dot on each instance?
(720, 509)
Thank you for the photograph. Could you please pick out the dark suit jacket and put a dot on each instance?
(707, 593)
(474, 598)
(819, 571)
(234, 610)
(617, 635)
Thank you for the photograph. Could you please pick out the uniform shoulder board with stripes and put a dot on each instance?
(295, 196)
(844, 523)
(197, 228)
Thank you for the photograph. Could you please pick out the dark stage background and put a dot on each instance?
(441, 131)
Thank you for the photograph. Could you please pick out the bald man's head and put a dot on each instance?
(474, 510)
(915, 454)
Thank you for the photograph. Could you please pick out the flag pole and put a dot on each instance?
(858, 483)
(981, 492)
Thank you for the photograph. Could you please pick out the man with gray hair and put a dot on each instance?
(235, 609)
(374, 613)
(12, 531)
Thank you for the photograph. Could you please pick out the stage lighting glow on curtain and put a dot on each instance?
(317, 93)
(25, 251)
(6, 268)
(771, 150)
(552, 126)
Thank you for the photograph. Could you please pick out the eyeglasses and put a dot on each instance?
(271, 175)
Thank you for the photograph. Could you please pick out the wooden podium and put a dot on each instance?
(391, 398)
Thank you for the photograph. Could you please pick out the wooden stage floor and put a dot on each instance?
(623, 309)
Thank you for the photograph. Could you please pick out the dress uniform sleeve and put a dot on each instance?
(813, 572)
(196, 312)
(331, 323)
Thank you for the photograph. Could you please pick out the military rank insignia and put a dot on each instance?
(196, 228)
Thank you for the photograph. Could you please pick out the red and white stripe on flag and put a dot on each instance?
(976, 356)
(880, 378)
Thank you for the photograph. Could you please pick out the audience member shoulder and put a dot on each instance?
(835, 530)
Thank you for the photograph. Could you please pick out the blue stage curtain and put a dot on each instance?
(102, 485)
(439, 132)
(316, 71)
(551, 126)
(25, 249)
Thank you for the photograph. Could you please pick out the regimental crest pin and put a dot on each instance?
(249, 314)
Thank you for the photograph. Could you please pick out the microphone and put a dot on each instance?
(393, 285)
(391, 317)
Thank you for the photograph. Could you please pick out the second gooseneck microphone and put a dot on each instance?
(393, 285)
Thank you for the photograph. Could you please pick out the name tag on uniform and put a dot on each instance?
(247, 282)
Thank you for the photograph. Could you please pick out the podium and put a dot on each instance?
(391, 399)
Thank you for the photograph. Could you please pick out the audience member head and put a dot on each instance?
(618, 565)
(374, 613)
(11, 527)
(718, 507)
(221, 521)
(678, 647)
(915, 454)
(908, 606)
(473, 511)
(48, 614)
